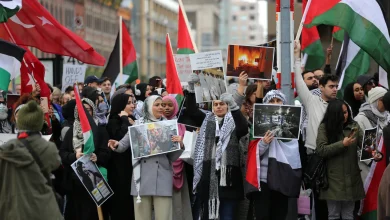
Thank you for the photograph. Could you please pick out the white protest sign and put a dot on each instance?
(4, 138)
(73, 71)
(183, 66)
(206, 60)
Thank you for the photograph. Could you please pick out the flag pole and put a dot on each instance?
(120, 52)
(187, 24)
(299, 32)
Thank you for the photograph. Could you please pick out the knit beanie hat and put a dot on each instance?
(274, 94)
(376, 93)
(30, 117)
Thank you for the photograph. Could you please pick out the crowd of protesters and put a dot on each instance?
(233, 176)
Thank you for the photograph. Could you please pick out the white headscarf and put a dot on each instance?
(148, 108)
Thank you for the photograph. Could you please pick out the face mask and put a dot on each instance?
(3, 112)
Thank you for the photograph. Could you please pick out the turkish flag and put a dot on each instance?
(34, 26)
(32, 72)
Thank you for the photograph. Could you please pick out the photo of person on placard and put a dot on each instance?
(88, 177)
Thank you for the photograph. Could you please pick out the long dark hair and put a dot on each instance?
(349, 97)
(249, 91)
(334, 119)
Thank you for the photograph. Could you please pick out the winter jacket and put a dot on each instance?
(345, 183)
(24, 191)
(156, 172)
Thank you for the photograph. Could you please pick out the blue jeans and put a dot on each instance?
(227, 209)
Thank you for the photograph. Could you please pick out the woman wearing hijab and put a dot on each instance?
(372, 114)
(354, 96)
(80, 205)
(338, 142)
(218, 181)
(181, 196)
(269, 194)
(120, 166)
(152, 177)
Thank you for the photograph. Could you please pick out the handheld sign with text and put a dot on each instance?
(73, 71)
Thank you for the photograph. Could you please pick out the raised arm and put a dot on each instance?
(303, 92)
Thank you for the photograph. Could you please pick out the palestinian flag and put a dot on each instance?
(11, 57)
(362, 19)
(369, 204)
(89, 146)
(129, 58)
(352, 63)
(185, 44)
(338, 33)
(9, 8)
(311, 46)
(173, 81)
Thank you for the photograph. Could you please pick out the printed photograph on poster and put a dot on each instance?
(256, 61)
(153, 138)
(209, 67)
(93, 181)
(282, 120)
(369, 144)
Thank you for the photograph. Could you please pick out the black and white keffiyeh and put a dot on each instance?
(78, 139)
(205, 144)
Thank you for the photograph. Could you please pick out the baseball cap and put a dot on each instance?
(91, 79)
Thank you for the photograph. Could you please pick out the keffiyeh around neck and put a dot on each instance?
(78, 139)
(204, 155)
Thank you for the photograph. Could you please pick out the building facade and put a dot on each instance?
(244, 23)
(150, 22)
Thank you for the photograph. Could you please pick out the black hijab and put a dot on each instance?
(349, 97)
(68, 112)
(118, 104)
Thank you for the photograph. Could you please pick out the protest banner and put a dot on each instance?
(153, 138)
(183, 67)
(255, 61)
(209, 67)
(92, 179)
(73, 71)
(282, 120)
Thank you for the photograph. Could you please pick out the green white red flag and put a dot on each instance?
(362, 19)
(311, 46)
(185, 44)
(89, 146)
(173, 82)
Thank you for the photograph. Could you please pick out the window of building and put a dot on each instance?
(252, 7)
(234, 18)
(243, 7)
(234, 28)
(235, 8)
(252, 37)
(243, 17)
(252, 17)
(252, 27)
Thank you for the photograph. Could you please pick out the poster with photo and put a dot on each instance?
(256, 61)
(369, 144)
(151, 139)
(209, 67)
(282, 120)
(92, 179)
